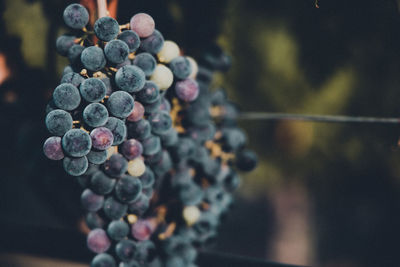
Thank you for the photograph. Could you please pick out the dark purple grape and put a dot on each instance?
(125, 250)
(149, 94)
(187, 90)
(131, 149)
(76, 143)
(73, 78)
(117, 230)
(246, 160)
(147, 178)
(91, 201)
(116, 51)
(131, 39)
(93, 58)
(140, 205)
(139, 130)
(116, 165)
(160, 122)
(102, 184)
(130, 78)
(106, 28)
(153, 43)
(98, 241)
(103, 260)
(118, 129)
(75, 166)
(114, 209)
(146, 62)
(95, 115)
(120, 104)
(52, 148)
(66, 96)
(180, 67)
(93, 221)
(76, 16)
(151, 145)
(93, 90)
(102, 138)
(63, 43)
(128, 189)
(97, 157)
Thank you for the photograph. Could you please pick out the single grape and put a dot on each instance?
(149, 94)
(169, 51)
(66, 96)
(95, 115)
(63, 43)
(93, 90)
(125, 250)
(190, 193)
(102, 184)
(75, 166)
(98, 241)
(120, 104)
(58, 122)
(170, 137)
(233, 139)
(130, 78)
(117, 230)
(76, 143)
(131, 39)
(93, 220)
(153, 44)
(152, 107)
(140, 205)
(187, 90)
(131, 149)
(151, 145)
(52, 148)
(160, 122)
(180, 67)
(103, 260)
(74, 55)
(154, 159)
(106, 28)
(164, 165)
(139, 130)
(93, 58)
(137, 112)
(102, 138)
(116, 165)
(143, 24)
(147, 178)
(145, 250)
(146, 62)
(128, 189)
(118, 129)
(114, 209)
(116, 51)
(162, 76)
(73, 78)
(76, 16)
(136, 167)
(246, 160)
(97, 157)
(232, 181)
(67, 69)
(142, 230)
(91, 201)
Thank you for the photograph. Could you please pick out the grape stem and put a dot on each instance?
(102, 8)
(316, 118)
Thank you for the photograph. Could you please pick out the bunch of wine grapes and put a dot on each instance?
(154, 149)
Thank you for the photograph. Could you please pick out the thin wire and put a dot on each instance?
(317, 118)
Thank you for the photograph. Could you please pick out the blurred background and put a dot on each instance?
(323, 194)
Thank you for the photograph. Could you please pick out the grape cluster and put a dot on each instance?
(154, 149)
